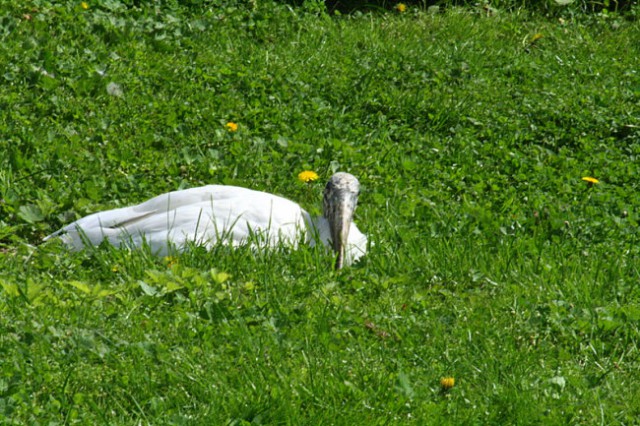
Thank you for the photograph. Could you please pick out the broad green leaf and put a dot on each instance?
(30, 213)
(219, 277)
(84, 287)
(10, 288)
(147, 289)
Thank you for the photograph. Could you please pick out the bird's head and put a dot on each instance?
(340, 200)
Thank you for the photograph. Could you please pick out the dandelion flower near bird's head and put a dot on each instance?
(232, 127)
(590, 180)
(447, 382)
(308, 176)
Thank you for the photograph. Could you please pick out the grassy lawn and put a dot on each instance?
(493, 261)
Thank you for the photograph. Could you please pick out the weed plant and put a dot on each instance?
(492, 261)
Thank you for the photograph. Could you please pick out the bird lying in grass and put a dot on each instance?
(212, 214)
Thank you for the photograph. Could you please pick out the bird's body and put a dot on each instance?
(206, 216)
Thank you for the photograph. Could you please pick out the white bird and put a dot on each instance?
(211, 214)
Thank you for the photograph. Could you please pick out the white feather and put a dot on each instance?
(205, 216)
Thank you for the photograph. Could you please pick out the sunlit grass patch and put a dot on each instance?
(499, 191)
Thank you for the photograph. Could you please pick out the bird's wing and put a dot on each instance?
(202, 215)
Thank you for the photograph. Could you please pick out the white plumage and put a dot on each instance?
(216, 213)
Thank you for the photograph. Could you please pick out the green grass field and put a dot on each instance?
(492, 261)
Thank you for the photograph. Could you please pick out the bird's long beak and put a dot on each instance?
(340, 200)
(342, 207)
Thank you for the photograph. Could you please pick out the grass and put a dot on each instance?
(493, 263)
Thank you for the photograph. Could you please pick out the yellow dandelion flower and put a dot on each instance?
(590, 180)
(401, 7)
(232, 127)
(84, 5)
(447, 382)
(308, 176)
